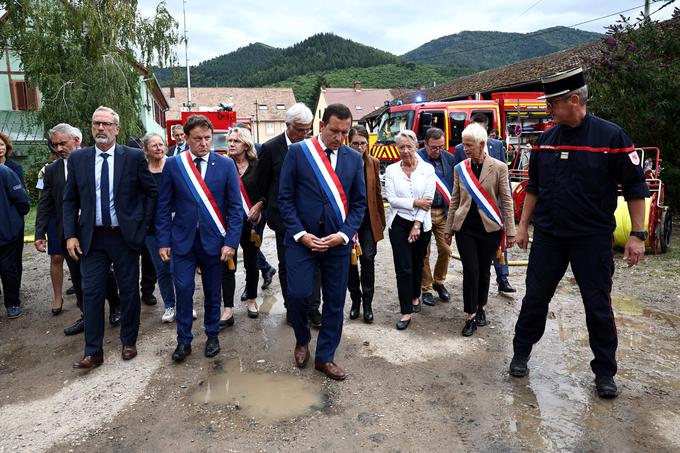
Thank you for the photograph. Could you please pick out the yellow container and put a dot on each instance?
(623, 225)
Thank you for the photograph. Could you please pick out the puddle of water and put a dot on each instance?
(626, 305)
(272, 304)
(260, 395)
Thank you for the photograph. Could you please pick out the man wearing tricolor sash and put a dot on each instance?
(201, 188)
(322, 200)
(435, 154)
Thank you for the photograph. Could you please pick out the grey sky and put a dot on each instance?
(216, 28)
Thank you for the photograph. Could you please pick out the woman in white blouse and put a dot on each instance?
(409, 188)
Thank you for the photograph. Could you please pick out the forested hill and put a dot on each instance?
(491, 49)
(259, 65)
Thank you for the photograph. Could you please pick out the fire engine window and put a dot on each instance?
(489, 117)
(430, 119)
(457, 120)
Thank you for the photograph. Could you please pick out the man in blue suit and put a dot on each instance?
(201, 188)
(322, 200)
(435, 154)
(105, 222)
(496, 149)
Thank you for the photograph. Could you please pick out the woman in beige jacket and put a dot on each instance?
(479, 228)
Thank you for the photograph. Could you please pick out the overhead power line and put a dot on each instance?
(486, 46)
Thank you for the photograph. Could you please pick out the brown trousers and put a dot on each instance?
(441, 267)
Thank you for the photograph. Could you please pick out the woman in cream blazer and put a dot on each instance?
(478, 236)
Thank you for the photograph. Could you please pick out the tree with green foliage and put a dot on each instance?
(636, 84)
(86, 53)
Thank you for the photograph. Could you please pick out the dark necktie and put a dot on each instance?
(198, 161)
(329, 152)
(104, 192)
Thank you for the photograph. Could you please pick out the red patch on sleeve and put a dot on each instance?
(633, 156)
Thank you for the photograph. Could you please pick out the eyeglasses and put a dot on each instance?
(103, 123)
(302, 130)
(551, 102)
(359, 144)
(437, 148)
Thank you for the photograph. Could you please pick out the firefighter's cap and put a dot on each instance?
(562, 83)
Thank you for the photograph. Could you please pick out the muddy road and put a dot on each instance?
(423, 389)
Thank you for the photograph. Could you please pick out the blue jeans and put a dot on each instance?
(163, 272)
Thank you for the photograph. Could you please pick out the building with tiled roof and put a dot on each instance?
(359, 100)
(266, 107)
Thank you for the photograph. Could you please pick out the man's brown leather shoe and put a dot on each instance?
(301, 355)
(331, 370)
(129, 352)
(89, 361)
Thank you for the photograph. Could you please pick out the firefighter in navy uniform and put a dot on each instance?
(571, 195)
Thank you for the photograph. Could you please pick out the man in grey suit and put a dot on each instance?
(495, 149)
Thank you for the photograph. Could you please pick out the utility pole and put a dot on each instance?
(257, 121)
(186, 55)
(647, 2)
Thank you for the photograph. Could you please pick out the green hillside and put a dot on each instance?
(399, 75)
(491, 49)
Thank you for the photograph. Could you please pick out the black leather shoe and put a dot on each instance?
(71, 291)
(470, 327)
(244, 295)
(401, 325)
(212, 347)
(606, 387)
(149, 299)
(427, 299)
(518, 366)
(368, 313)
(417, 307)
(224, 323)
(354, 311)
(57, 311)
(315, 318)
(442, 292)
(76, 328)
(481, 317)
(504, 286)
(181, 352)
(267, 277)
(114, 318)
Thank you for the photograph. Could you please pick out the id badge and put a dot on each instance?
(564, 155)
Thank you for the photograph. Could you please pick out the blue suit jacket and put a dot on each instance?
(179, 233)
(131, 183)
(496, 150)
(448, 163)
(13, 206)
(304, 205)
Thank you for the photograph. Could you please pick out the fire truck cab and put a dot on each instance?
(221, 120)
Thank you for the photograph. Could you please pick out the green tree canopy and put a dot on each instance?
(86, 53)
(636, 84)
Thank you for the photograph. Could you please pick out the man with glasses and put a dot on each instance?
(105, 221)
(575, 170)
(435, 154)
(179, 137)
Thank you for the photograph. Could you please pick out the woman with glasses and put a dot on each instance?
(361, 284)
(242, 151)
(409, 188)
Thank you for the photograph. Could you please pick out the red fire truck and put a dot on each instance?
(221, 120)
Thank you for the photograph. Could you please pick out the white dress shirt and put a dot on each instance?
(334, 163)
(401, 191)
(98, 161)
(204, 164)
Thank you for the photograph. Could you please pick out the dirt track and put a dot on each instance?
(425, 389)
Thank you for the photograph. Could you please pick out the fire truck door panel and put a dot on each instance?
(457, 123)
(428, 119)
(488, 114)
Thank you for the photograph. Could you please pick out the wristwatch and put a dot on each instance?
(642, 235)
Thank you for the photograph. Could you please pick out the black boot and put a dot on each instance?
(368, 312)
(354, 311)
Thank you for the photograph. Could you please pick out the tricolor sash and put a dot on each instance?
(439, 181)
(477, 192)
(200, 191)
(328, 179)
(245, 201)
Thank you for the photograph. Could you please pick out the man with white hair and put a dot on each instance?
(105, 223)
(298, 124)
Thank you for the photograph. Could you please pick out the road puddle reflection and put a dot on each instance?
(264, 396)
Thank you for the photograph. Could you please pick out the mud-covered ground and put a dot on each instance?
(423, 389)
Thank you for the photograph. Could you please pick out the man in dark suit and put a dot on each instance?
(202, 189)
(321, 215)
(65, 139)
(105, 223)
(298, 124)
(179, 137)
(496, 149)
(435, 154)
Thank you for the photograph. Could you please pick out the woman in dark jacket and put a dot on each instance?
(242, 151)
(361, 286)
